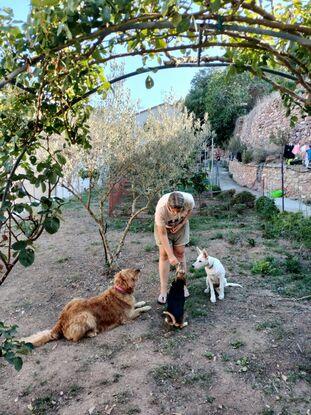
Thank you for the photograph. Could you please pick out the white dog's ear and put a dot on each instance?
(198, 250)
(205, 253)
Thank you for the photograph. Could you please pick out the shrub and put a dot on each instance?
(226, 195)
(265, 207)
(293, 226)
(259, 155)
(245, 197)
(292, 264)
(267, 266)
(215, 211)
(247, 156)
(232, 238)
(235, 144)
(239, 208)
(213, 188)
(197, 183)
(10, 348)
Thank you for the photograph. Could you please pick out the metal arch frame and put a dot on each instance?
(176, 66)
(195, 65)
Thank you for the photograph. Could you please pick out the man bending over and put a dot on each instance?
(171, 233)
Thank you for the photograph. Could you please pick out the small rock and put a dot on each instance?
(91, 410)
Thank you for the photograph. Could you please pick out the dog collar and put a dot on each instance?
(120, 289)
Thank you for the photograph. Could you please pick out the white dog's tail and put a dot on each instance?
(45, 336)
(232, 284)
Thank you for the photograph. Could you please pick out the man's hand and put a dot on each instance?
(173, 260)
(177, 228)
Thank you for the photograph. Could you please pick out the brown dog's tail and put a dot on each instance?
(172, 321)
(45, 336)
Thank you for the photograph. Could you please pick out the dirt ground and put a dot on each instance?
(248, 354)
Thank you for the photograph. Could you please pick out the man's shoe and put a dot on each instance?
(162, 299)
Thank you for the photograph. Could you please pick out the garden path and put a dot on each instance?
(290, 205)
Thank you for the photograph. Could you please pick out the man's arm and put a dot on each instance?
(181, 224)
(162, 233)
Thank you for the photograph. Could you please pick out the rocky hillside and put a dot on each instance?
(255, 128)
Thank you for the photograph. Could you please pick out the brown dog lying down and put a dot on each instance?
(88, 317)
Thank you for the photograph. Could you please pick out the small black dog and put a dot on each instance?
(176, 301)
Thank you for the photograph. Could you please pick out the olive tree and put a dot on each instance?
(149, 158)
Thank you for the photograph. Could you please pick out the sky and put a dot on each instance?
(174, 82)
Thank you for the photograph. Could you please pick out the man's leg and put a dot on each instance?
(164, 269)
(179, 252)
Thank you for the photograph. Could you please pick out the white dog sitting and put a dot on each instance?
(216, 274)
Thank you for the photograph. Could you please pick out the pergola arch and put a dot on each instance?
(252, 38)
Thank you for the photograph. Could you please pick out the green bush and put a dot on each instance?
(247, 156)
(267, 266)
(215, 211)
(265, 207)
(245, 197)
(213, 188)
(226, 195)
(197, 183)
(239, 208)
(232, 237)
(292, 264)
(294, 226)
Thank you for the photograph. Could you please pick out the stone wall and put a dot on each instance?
(297, 179)
(255, 128)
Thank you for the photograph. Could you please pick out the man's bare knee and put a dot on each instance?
(180, 253)
(163, 256)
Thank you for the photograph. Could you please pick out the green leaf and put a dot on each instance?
(44, 3)
(18, 363)
(60, 29)
(215, 5)
(183, 25)
(51, 224)
(19, 245)
(18, 208)
(61, 159)
(149, 82)
(176, 19)
(106, 14)
(26, 257)
(220, 20)
(160, 43)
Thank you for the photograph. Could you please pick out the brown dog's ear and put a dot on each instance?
(180, 269)
(126, 279)
(118, 277)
